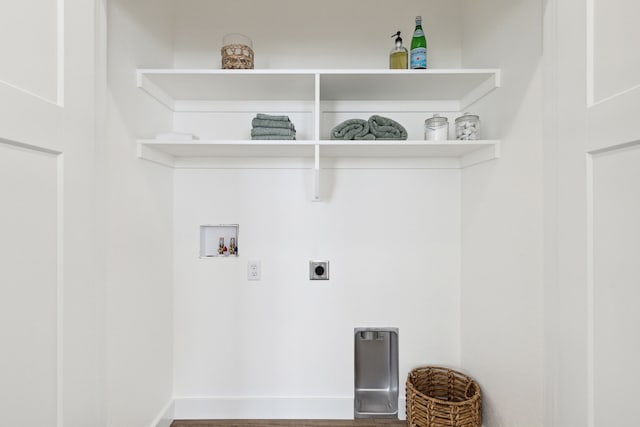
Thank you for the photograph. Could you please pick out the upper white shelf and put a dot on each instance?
(175, 87)
(461, 85)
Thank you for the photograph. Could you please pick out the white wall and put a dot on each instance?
(393, 241)
(306, 34)
(257, 349)
(138, 221)
(283, 346)
(502, 233)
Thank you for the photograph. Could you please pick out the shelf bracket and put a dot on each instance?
(315, 178)
(480, 156)
(482, 90)
(151, 154)
(315, 190)
(155, 91)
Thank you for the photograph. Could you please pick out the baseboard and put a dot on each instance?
(166, 416)
(198, 408)
(402, 408)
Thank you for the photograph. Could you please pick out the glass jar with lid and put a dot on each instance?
(436, 128)
(467, 127)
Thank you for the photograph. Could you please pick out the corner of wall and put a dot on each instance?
(139, 220)
(166, 415)
(502, 217)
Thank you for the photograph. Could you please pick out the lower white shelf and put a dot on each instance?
(409, 154)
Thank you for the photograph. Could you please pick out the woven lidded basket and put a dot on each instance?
(237, 57)
(237, 52)
(441, 397)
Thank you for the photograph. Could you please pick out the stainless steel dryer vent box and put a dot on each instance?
(376, 373)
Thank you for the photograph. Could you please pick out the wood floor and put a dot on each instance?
(290, 423)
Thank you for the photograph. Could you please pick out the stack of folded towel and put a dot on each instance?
(266, 126)
(377, 127)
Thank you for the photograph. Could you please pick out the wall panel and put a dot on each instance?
(29, 282)
(31, 46)
(612, 36)
(615, 291)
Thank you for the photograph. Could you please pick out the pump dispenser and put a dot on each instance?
(399, 55)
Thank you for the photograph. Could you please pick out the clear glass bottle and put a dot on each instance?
(418, 47)
(398, 57)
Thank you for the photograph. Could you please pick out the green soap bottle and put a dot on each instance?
(418, 46)
(398, 58)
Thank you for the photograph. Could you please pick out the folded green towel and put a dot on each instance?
(273, 137)
(270, 117)
(263, 123)
(386, 128)
(272, 131)
(351, 129)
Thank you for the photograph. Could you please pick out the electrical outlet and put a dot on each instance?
(254, 270)
(318, 270)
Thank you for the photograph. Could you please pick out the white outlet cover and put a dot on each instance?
(254, 270)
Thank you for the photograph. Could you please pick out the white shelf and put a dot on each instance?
(215, 153)
(326, 94)
(402, 149)
(248, 148)
(189, 89)
(463, 86)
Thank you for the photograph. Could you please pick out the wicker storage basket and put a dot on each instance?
(237, 57)
(441, 397)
